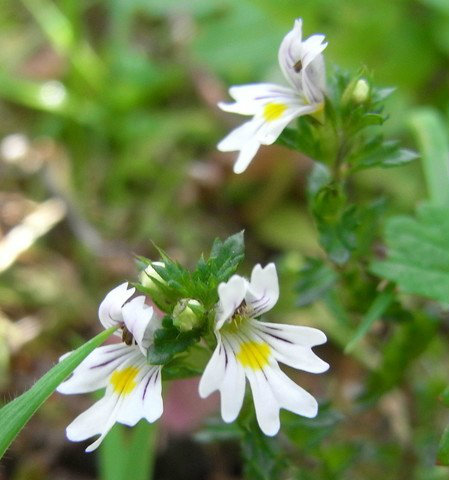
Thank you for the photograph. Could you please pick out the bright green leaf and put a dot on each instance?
(418, 253)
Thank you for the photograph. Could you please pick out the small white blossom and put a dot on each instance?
(248, 348)
(272, 106)
(133, 387)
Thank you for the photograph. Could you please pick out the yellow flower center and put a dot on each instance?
(273, 111)
(123, 382)
(254, 355)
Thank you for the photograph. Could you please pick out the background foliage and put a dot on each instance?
(115, 106)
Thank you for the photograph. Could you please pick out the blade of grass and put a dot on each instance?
(62, 36)
(112, 455)
(432, 136)
(128, 453)
(141, 451)
(15, 415)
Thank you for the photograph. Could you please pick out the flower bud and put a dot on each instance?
(361, 91)
(145, 275)
(156, 290)
(187, 314)
(329, 203)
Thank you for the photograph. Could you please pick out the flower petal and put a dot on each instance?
(265, 403)
(291, 344)
(289, 395)
(232, 388)
(263, 289)
(141, 322)
(98, 419)
(145, 401)
(251, 98)
(231, 295)
(110, 310)
(93, 372)
(247, 153)
(215, 370)
(152, 394)
(302, 63)
(239, 137)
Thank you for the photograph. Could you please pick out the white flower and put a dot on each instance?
(133, 387)
(251, 349)
(272, 106)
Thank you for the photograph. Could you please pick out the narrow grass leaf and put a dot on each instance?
(15, 415)
(432, 137)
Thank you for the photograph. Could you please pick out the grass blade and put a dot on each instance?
(432, 137)
(128, 453)
(15, 415)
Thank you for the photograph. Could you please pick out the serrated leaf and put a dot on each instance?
(15, 415)
(418, 253)
(399, 157)
(169, 341)
(226, 256)
(379, 153)
(381, 94)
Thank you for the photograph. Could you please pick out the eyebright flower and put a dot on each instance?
(249, 348)
(133, 387)
(272, 106)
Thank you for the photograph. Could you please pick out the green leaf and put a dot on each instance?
(376, 310)
(168, 341)
(318, 178)
(308, 433)
(263, 456)
(15, 415)
(339, 239)
(379, 153)
(315, 279)
(418, 253)
(190, 363)
(303, 139)
(226, 256)
(432, 137)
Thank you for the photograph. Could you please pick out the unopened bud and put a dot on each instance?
(155, 284)
(147, 275)
(361, 91)
(329, 203)
(187, 314)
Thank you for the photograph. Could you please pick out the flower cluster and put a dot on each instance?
(273, 106)
(247, 348)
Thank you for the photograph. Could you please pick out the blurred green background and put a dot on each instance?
(108, 127)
